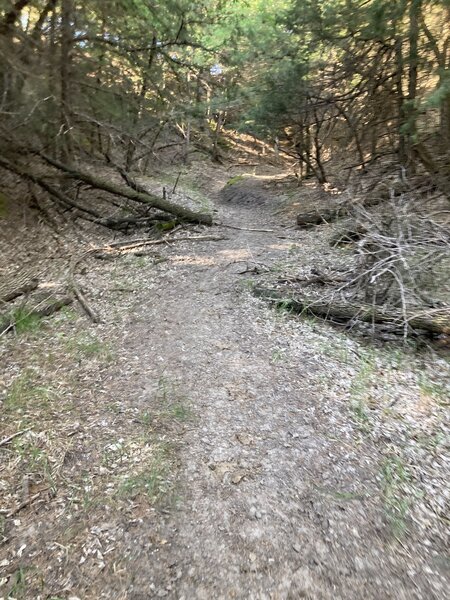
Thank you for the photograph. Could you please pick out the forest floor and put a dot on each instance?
(200, 444)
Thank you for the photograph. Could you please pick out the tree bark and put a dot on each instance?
(318, 217)
(141, 101)
(140, 197)
(17, 286)
(413, 65)
(435, 321)
(66, 149)
(401, 117)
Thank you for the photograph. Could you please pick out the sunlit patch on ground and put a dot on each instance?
(202, 261)
(235, 255)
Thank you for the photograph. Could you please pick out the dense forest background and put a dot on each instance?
(320, 79)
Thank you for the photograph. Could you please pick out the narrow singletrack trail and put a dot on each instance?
(277, 490)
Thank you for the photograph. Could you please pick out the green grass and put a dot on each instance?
(179, 411)
(19, 585)
(284, 306)
(171, 404)
(278, 355)
(23, 391)
(167, 225)
(140, 261)
(340, 496)
(247, 284)
(36, 461)
(293, 249)
(439, 391)
(89, 346)
(235, 179)
(338, 352)
(154, 481)
(359, 392)
(24, 321)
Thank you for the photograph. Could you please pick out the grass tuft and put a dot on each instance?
(24, 321)
(154, 481)
(235, 179)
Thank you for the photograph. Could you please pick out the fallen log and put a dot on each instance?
(433, 320)
(317, 217)
(381, 192)
(16, 286)
(130, 193)
(84, 212)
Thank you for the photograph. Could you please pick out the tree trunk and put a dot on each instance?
(401, 117)
(66, 146)
(434, 321)
(118, 190)
(141, 101)
(413, 64)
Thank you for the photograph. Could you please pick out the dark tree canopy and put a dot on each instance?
(326, 78)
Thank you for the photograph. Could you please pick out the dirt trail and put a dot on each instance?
(268, 486)
(278, 491)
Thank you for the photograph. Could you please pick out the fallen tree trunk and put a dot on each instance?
(433, 320)
(63, 199)
(17, 286)
(118, 224)
(381, 192)
(317, 217)
(131, 194)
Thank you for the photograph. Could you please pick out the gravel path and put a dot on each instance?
(279, 494)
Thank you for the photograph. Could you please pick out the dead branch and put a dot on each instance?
(9, 439)
(24, 504)
(244, 228)
(84, 303)
(165, 240)
(382, 192)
